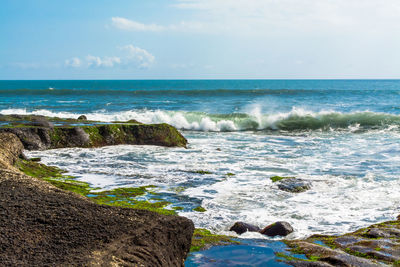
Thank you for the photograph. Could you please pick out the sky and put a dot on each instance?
(200, 39)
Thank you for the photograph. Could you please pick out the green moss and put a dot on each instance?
(356, 253)
(177, 208)
(275, 179)
(121, 197)
(293, 258)
(125, 197)
(199, 209)
(96, 139)
(202, 238)
(38, 170)
(230, 174)
(80, 188)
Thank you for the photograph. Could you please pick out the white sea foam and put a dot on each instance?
(355, 178)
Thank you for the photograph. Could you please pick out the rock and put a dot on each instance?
(41, 122)
(309, 264)
(377, 233)
(278, 228)
(82, 118)
(41, 225)
(10, 151)
(241, 227)
(294, 185)
(40, 138)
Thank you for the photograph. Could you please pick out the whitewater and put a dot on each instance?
(341, 136)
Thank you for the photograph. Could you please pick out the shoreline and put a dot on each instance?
(315, 248)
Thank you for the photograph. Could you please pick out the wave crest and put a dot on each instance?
(295, 120)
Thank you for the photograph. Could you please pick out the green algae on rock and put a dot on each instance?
(375, 245)
(200, 209)
(60, 133)
(120, 197)
(275, 179)
(202, 239)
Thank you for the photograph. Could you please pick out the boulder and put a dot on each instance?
(241, 227)
(82, 118)
(294, 185)
(41, 122)
(278, 228)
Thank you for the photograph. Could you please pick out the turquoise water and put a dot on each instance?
(342, 136)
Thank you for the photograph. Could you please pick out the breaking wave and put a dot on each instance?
(295, 120)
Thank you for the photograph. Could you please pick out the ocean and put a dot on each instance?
(342, 136)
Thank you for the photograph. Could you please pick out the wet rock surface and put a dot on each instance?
(294, 185)
(277, 229)
(377, 245)
(241, 227)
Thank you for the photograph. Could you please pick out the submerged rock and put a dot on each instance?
(241, 227)
(278, 228)
(294, 185)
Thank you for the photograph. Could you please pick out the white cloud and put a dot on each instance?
(126, 24)
(73, 62)
(93, 61)
(130, 25)
(132, 56)
(139, 55)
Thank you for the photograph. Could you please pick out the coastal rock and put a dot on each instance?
(41, 122)
(278, 228)
(377, 245)
(41, 137)
(41, 225)
(294, 185)
(82, 118)
(10, 150)
(241, 227)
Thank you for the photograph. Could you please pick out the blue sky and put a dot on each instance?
(197, 39)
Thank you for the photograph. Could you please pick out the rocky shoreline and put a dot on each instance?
(41, 224)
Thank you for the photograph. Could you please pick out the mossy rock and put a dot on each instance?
(203, 238)
(200, 209)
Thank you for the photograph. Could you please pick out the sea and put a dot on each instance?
(342, 136)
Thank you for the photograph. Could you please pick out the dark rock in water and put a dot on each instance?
(82, 118)
(294, 185)
(241, 227)
(398, 217)
(35, 159)
(278, 228)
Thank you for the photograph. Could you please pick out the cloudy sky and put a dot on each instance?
(197, 39)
